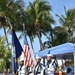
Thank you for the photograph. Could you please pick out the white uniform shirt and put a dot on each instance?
(39, 70)
(22, 70)
(51, 68)
(71, 72)
(30, 69)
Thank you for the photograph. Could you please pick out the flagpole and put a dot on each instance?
(11, 27)
(24, 30)
(9, 24)
(25, 33)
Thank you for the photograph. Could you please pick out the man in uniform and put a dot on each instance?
(39, 68)
(51, 66)
(29, 70)
(22, 68)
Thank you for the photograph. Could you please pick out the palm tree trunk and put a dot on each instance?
(32, 45)
(33, 53)
(41, 44)
(5, 35)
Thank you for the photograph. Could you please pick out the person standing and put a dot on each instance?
(29, 70)
(22, 68)
(51, 66)
(39, 68)
(68, 68)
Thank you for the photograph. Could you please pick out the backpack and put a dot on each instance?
(68, 70)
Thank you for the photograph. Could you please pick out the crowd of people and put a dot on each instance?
(41, 69)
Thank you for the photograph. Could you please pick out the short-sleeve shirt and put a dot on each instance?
(71, 70)
(39, 69)
(21, 70)
(51, 68)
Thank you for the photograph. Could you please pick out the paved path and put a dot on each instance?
(8, 74)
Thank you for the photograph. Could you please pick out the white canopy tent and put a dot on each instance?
(60, 50)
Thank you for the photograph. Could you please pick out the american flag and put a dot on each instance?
(27, 55)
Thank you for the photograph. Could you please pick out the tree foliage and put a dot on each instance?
(4, 53)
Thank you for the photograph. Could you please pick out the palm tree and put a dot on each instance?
(58, 36)
(9, 9)
(68, 20)
(40, 18)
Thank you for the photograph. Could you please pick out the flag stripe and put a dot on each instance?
(27, 56)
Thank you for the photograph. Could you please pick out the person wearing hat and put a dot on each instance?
(39, 68)
(50, 65)
(22, 68)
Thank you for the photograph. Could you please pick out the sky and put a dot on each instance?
(57, 8)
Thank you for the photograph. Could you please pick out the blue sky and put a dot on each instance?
(57, 8)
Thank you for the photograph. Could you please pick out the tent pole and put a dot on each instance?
(74, 62)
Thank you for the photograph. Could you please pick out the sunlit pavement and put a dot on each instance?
(8, 74)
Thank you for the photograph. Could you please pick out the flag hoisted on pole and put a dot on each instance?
(27, 55)
(15, 52)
